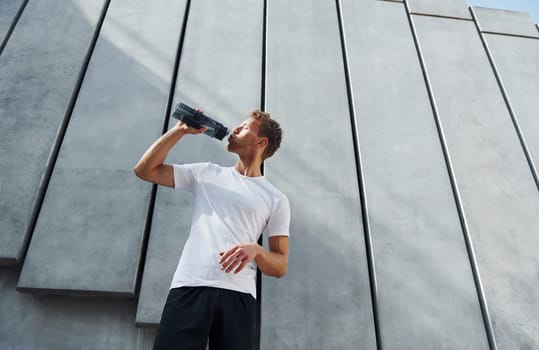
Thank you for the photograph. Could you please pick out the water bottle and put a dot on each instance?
(198, 120)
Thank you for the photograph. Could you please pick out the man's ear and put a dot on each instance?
(262, 142)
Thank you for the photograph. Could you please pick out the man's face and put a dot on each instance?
(243, 139)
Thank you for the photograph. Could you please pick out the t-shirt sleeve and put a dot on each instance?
(187, 175)
(279, 222)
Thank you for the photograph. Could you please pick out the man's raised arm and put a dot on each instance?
(151, 166)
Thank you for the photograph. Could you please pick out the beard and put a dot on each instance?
(231, 145)
(241, 146)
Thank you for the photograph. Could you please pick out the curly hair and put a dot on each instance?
(268, 128)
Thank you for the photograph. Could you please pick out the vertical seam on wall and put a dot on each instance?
(55, 150)
(362, 193)
(164, 128)
(514, 118)
(13, 25)
(458, 201)
(256, 345)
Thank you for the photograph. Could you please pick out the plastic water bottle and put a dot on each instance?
(198, 120)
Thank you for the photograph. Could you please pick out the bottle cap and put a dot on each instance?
(221, 132)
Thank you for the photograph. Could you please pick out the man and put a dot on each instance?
(213, 291)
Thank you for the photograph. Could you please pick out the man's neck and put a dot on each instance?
(249, 168)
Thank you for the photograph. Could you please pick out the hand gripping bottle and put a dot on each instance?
(198, 120)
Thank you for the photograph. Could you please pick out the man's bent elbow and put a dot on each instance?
(280, 272)
(140, 173)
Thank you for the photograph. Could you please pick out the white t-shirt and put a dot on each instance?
(229, 209)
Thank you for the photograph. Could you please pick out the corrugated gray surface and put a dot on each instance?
(506, 22)
(220, 72)
(498, 192)
(427, 294)
(8, 10)
(88, 238)
(324, 300)
(38, 70)
(448, 8)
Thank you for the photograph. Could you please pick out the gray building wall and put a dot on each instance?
(409, 158)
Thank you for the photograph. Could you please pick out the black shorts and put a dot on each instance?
(192, 315)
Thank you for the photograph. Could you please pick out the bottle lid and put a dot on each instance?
(221, 132)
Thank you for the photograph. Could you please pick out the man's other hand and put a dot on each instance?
(237, 257)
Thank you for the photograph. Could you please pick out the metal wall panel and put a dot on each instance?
(324, 301)
(88, 238)
(448, 8)
(506, 22)
(517, 61)
(53, 322)
(219, 72)
(498, 194)
(8, 12)
(38, 70)
(427, 294)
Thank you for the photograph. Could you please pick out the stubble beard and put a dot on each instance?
(231, 147)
